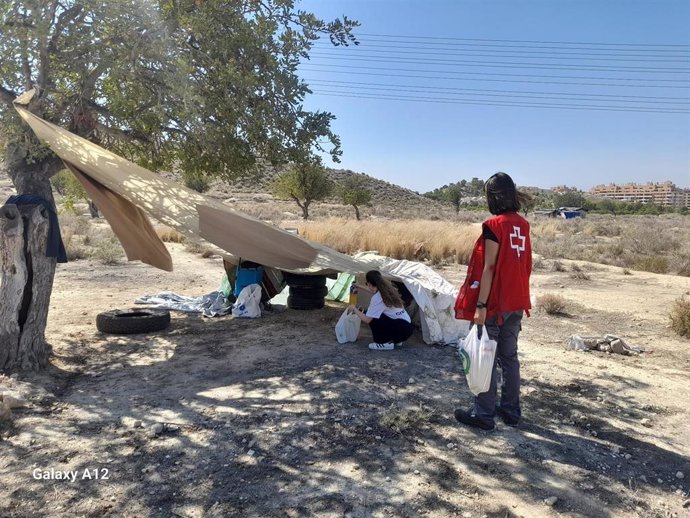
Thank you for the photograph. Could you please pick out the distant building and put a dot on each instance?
(665, 194)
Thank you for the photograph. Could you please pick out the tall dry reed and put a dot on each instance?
(435, 241)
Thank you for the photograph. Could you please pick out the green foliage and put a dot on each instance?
(454, 193)
(569, 199)
(303, 183)
(196, 181)
(66, 184)
(206, 87)
(353, 192)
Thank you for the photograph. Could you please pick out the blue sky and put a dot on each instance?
(423, 145)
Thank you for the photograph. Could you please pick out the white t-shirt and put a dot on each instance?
(378, 308)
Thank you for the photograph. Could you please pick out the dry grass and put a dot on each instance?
(659, 244)
(551, 304)
(435, 241)
(404, 421)
(169, 235)
(680, 316)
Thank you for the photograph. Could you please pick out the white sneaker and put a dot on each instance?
(399, 344)
(388, 346)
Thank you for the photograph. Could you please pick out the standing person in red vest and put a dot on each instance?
(495, 294)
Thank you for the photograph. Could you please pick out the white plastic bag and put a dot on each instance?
(248, 302)
(347, 328)
(477, 355)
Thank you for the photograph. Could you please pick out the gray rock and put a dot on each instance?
(411, 380)
(680, 475)
(645, 421)
(156, 428)
(686, 504)
(551, 501)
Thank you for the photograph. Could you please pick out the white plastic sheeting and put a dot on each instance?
(434, 295)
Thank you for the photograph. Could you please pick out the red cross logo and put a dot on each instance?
(517, 241)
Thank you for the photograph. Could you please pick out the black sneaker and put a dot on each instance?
(472, 420)
(509, 420)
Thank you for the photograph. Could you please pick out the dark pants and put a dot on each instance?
(385, 329)
(506, 335)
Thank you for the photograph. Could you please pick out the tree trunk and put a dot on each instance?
(356, 212)
(27, 280)
(27, 274)
(305, 210)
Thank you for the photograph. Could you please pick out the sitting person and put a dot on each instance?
(390, 324)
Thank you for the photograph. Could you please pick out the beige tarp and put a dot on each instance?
(171, 204)
(126, 193)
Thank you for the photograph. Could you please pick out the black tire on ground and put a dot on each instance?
(308, 293)
(305, 303)
(131, 321)
(304, 281)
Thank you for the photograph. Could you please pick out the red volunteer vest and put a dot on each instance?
(510, 284)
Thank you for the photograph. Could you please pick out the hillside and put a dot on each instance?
(253, 195)
(388, 200)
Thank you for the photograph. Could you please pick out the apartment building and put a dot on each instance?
(665, 194)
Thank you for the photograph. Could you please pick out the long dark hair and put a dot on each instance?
(389, 293)
(502, 195)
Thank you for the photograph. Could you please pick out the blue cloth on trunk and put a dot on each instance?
(55, 246)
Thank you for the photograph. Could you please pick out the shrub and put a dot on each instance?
(538, 262)
(557, 266)
(680, 316)
(169, 235)
(197, 182)
(551, 304)
(654, 264)
(580, 275)
(108, 251)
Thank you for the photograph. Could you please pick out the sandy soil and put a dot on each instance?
(273, 417)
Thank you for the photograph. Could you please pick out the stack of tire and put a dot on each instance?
(306, 291)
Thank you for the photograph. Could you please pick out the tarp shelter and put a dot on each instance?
(127, 194)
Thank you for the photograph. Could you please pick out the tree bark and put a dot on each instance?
(27, 274)
(356, 212)
(27, 279)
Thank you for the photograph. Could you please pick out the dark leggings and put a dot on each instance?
(385, 329)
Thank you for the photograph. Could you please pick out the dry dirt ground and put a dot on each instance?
(273, 418)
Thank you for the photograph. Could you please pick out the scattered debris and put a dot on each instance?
(11, 401)
(607, 344)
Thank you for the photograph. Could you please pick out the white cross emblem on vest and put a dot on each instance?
(518, 244)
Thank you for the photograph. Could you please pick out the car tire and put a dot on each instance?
(132, 321)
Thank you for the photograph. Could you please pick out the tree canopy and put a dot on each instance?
(204, 86)
(304, 184)
(353, 191)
